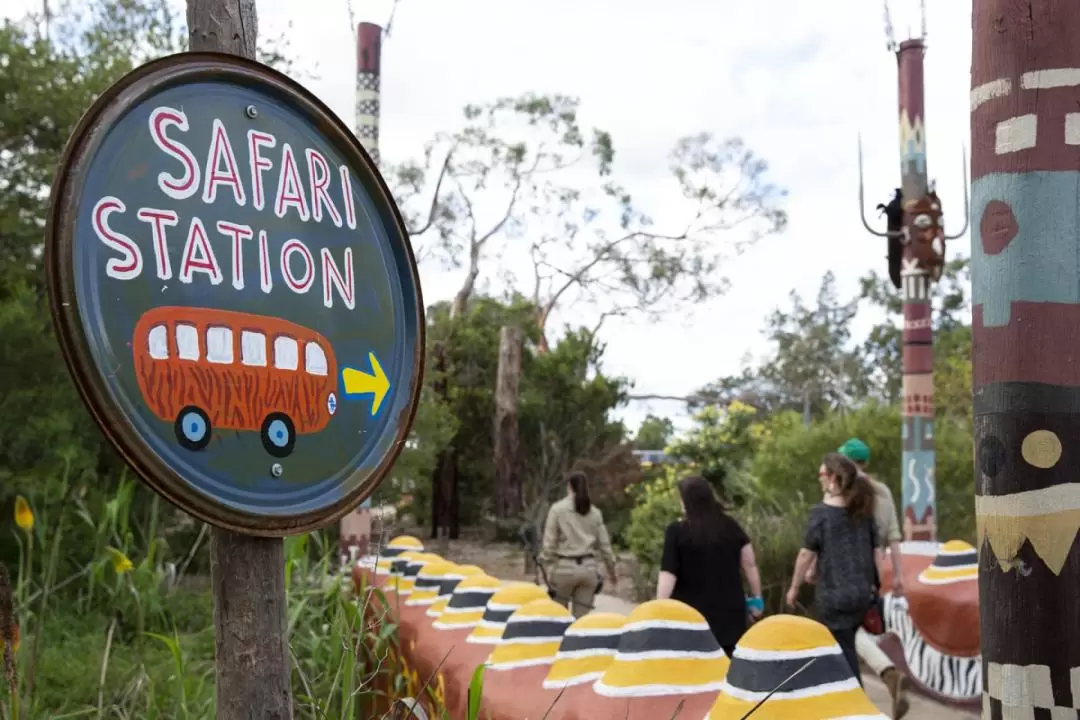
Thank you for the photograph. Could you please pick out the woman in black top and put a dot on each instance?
(840, 535)
(703, 555)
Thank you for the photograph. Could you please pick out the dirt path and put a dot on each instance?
(507, 562)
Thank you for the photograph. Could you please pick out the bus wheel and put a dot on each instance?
(192, 428)
(278, 435)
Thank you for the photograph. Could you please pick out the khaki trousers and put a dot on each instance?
(577, 583)
(870, 653)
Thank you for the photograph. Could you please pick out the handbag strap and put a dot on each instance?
(873, 559)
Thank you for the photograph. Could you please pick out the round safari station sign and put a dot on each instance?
(235, 294)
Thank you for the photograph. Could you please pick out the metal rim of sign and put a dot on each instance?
(108, 109)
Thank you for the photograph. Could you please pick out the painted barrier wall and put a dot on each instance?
(660, 661)
(933, 632)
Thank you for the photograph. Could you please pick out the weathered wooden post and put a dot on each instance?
(1025, 261)
(237, 301)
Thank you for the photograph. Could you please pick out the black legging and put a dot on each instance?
(845, 638)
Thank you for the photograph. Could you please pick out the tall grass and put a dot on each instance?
(111, 624)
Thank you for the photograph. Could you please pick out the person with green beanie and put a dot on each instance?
(889, 536)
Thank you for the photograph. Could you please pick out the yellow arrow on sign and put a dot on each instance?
(356, 382)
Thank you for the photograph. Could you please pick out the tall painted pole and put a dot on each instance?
(355, 528)
(1025, 265)
(917, 472)
(368, 77)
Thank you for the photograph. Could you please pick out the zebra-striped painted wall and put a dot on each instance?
(956, 678)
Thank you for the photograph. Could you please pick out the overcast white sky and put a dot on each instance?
(797, 80)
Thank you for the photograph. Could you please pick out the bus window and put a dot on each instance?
(253, 348)
(187, 342)
(314, 359)
(219, 347)
(286, 353)
(158, 338)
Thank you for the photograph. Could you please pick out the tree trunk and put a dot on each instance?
(247, 574)
(452, 501)
(444, 479)
(436, 494)
(508, 496)
(1026, 328)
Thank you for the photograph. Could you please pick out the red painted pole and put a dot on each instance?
(1025, 265)
(368, 74)
(917, 470)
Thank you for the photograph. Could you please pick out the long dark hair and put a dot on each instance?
(579, 484)
(704, 513)
(852, 484)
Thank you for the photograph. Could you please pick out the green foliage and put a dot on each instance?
(654, 433)
(767, 467)
(476, 691)
(563, 403)
(124, 636)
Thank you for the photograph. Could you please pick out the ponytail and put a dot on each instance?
(855, 489)
(579, 484)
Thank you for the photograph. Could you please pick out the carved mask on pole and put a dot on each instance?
(925, 234)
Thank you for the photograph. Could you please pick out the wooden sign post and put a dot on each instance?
(237, 300)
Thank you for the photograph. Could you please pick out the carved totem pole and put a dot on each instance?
(916, 237)
(1025, 261)
(355, 528)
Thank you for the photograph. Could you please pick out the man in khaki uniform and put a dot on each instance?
(573, 536)
(889, 536)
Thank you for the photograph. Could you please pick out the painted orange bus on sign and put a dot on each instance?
(205, 370)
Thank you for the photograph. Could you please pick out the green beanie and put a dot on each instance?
(855, 450)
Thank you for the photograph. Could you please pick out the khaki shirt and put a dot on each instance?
(569, 534)
(888, 528)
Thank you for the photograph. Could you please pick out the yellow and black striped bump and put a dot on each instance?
(666, 648)
(587, 649)
(395, 547)
(397, 570)
(410, 568)
(800, 657)
(956, 561)
(447, 585)
(499, 609)
(426, 588)
(531, 636)
(467, 603)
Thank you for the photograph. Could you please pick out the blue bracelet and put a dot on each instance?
(755, 604)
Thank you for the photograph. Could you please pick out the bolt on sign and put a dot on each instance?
(235, 293)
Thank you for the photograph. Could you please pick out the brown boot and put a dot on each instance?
(896, 682)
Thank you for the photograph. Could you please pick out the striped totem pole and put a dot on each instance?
(919, 512)
(1025, 263)
(368, 61)
(355, 528)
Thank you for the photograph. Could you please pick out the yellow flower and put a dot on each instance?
(24, 516)
(120, 562)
